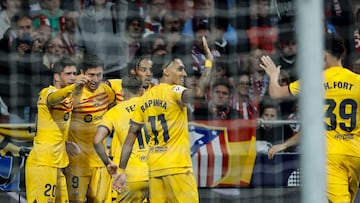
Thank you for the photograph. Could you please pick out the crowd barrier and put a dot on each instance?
(223, 154)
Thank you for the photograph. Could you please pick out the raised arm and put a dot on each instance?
(204, 80)
(273, 71)
(58, 96)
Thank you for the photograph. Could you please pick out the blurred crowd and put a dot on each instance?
(36, 33)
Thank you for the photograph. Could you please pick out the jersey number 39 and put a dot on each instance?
(347, 114)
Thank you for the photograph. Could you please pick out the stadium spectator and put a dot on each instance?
(202, 28)
(287, 105)
(18, 39)
(293, 140)
(152, 44)
(218, 107)
(291, 132)
(43, 35)
(134, 32)
(22, 68)
(172, 24)
(357, 31)
(221, 68)
(284, 14)
(268, 134)
(261, 32)
(241, 101)
(68, 34)
(192, 82)
(286, 55)
(341, 15)
(101, 31)
(221, 44)
(8, 9)
(259, 81)
(356, 63)
(155, 12)
(50, 14)
(206, 9)
(54, 50)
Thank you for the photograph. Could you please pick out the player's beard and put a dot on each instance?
(92, 86)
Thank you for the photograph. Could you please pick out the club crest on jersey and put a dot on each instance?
(88, 118)
(178, 89)
(66, 116)
(143, 158)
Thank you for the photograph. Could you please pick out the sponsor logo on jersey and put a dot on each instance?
(66, 116)
(88, 118)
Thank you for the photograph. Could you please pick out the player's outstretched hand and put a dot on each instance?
(119, 182)
(269, 66)
(80, 81)
(207, 50)
(72, 148)
(112, 168)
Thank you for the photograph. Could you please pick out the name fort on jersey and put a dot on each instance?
(338, 85)
(153, 102)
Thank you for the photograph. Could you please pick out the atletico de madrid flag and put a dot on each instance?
(223, 152)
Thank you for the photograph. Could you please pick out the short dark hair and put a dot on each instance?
(222, 63)
(18, 16)
(161, 62)
(147, 44)
(286, 36)
(132, 83)
(24, 5)
(334, 45)
(223, 82)
(200, 23)
(131, 18)
(62, 63)
(268, 103)
(91, 61)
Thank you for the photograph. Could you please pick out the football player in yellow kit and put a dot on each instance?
(44, 179)
(87, 177)
(163, 113)
(141, 67)
(342, 100)
(116, 122)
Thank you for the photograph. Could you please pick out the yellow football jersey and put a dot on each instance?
(166, 124)
(52, 131)
(116, 85)
(89, 109)
(117, 121)
(342, 100)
